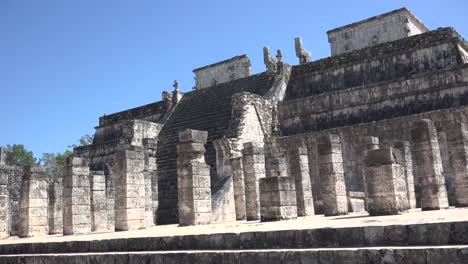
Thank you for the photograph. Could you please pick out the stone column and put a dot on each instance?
(457, 139)
(129, 190)
(299, 170)
(253, 160)
(277, 190)
(151, 181)
(98, 201)
(405, 148)
(34, 203)
(193, 179)
(76, 197)
(331, 173)
(386, 183)
(239, 187)
(428, 166)
(369, 143)
(4, 206)
(447, 167)
(56, 205)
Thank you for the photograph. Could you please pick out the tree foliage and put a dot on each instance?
(18, 155)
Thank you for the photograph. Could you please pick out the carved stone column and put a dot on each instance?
(299, 171)
(428, 165)
(34, 203)
(239, 187)
(457, 139)
(98, 201)
(386, 183)
(253, 160)
(193, 179)
(76, 197)
(331, 173)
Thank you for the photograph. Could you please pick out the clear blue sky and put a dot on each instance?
(65, 63)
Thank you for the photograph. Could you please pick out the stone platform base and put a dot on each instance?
(389, 255)
(423, 236)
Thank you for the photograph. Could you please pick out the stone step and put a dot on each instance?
(389, 255)
(429, 234)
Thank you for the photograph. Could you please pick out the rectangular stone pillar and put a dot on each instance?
(405, 148)
(331, 173)
(76, 197)
(277, 198)
(4, 207)
(151, 181)
(428, 166)
(253, 160)
(386, 183)
(369, 143)
(56, 205)
(34, 203)
(239, 187)
(193, 179)
(457, 140)
(129, 190)
(98, 201)
(298, 160)
(447, 167)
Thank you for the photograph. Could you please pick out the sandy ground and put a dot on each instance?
(313, 222)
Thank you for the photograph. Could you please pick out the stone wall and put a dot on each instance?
(387, 27)
(225, 71)
(404, 58)
(385, 130)
(55, 210)
(424, 92)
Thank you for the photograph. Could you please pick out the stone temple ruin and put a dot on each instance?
(378, 127)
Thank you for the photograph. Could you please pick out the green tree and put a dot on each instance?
(18, 155)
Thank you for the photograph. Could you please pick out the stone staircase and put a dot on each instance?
(207, 109)
(442, 242)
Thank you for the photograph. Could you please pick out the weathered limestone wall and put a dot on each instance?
(34, 203)
(385, 130)
(127, 132)
(387, 27)
(221, 72)
(253, 160)
(5, 214)
(55, 210)
(428, 166)
(98, 201)
(154, 112)
(76, 197)
(395, 98)
(193, 179)
(404, 58)
(151, 181)
(385, 181)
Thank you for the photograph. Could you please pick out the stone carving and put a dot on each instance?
(269, 61)
(303, 55)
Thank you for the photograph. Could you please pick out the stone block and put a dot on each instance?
(195, 136)
(277, 198)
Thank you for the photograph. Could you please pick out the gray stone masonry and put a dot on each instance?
(129, 190)
(98, 201)
(5, 214)
(253, 160)
(277, 189)
(428, 166)
(193, 179)
(446, 165)
(369, 143)
(277, 198)
(151, 181)
(332, 183)
(386, 183)
(457, 141)
(34, 203)
(55, 204)
(239, 187)
(405, 148)
(299, 171)
(2, 156)
(76, 197)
